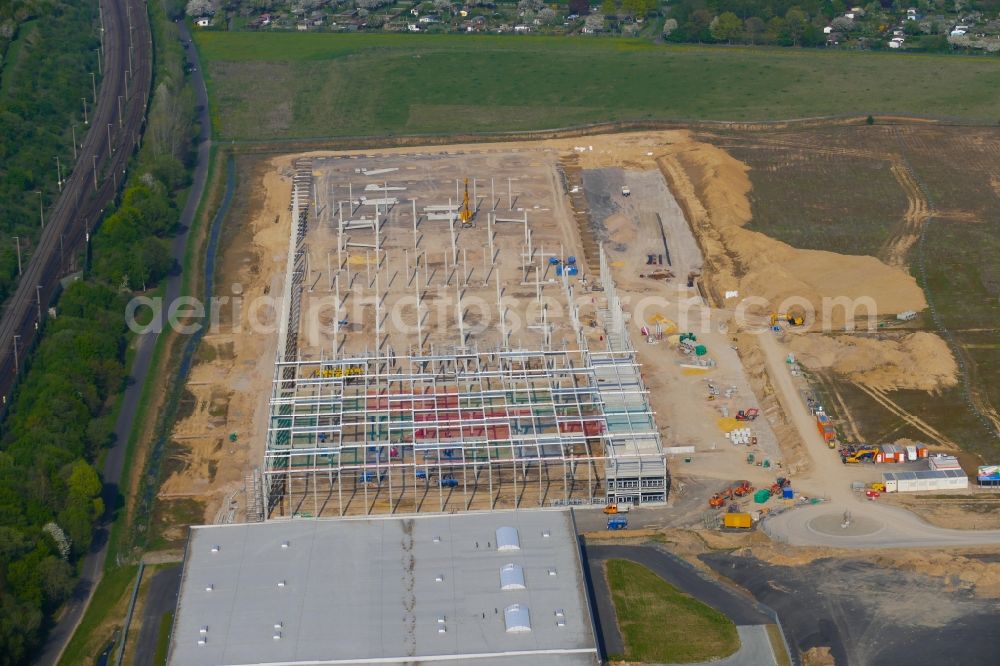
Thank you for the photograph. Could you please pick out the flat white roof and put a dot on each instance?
(388, 590)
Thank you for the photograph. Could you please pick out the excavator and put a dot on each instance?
(859, 455)
(793, 320)
(718, 500)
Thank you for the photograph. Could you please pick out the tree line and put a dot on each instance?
(62, 415)
(47, 50)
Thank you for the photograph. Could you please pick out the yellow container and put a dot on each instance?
(741, 520)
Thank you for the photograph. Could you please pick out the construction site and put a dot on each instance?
(445, 345)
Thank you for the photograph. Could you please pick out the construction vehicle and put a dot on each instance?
(626, 191)
(449, 481)
(717, 501)
(748, 414)
(618, 523)
(465, 212)
(825, 427)
(612, 509)
(859, 455)
(791, 320)
(877, 485)
(743, 489)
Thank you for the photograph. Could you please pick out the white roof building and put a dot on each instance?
(502, 588)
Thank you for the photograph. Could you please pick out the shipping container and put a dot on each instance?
(787, 493)
(741, 520)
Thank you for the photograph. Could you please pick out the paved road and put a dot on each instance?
(743, 611)
(161, 598)
(93, 564)
(108, 144)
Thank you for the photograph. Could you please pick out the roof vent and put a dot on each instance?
(279, 625)
(441, 619)
(209, 587)
(552, 571)
(517, 619)
(439, 578)
(285, 544)
(437, 539)
(546, 534)
(202, 641)
(203, 630)
(281, 583)
(511, 577)
(277, 636)
(507, 539)
(442, 629)
(216, 549)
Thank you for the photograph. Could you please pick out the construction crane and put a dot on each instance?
(465, 212)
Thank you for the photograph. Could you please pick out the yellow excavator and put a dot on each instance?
(465, 212)
(859, 455)
(793, 320)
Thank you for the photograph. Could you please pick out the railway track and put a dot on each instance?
(92, 185)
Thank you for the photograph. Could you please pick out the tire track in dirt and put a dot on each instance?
(977, 400)
(881, 398)
(906, 234)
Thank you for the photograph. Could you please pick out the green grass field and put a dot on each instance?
(283, 86)
(661, 624)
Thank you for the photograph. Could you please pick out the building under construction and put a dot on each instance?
(514, 407)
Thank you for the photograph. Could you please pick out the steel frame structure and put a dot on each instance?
(457, 428)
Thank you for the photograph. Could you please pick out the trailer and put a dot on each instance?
(618, 523)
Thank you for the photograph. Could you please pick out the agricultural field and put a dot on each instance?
(285, 86)
(875, 190)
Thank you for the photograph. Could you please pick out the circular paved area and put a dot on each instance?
(833, 524)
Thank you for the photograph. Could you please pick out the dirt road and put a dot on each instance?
(872, 524)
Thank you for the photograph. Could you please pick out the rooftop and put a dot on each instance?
(386, 590)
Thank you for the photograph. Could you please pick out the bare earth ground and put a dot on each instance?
(228, 384)
(231, 383)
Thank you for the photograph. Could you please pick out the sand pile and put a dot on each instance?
(919, 361)
(712, 187)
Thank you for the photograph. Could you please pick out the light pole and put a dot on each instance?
(17, 240)
(109, 140)
(17, 367)
(38, 296)
(58, 173)
(100, 70)
(41, 213)
(119, 110)
(95, 171)
(85, 121)
(74, 142)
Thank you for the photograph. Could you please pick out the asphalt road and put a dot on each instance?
(92, 184)
(161, 598)
(743, 611)
(93, 564)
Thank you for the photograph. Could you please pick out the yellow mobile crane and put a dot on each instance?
(465, 212)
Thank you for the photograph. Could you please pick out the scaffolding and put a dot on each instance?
(486, 423)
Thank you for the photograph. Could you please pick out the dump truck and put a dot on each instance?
(613, 509)
(737, 520)
(618, 523)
